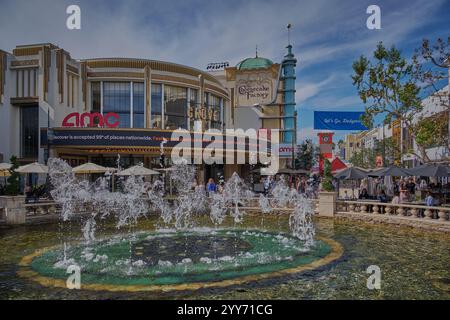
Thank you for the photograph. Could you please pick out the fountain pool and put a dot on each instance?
(136, 243)
(171, 260)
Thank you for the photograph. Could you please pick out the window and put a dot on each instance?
(156, 118)
(138, 105)
(29, 118)
(175, 103)
(95, 97)
(214, 108)
(194, 104)
(116, 98)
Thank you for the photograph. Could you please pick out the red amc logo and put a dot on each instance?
(76, 119)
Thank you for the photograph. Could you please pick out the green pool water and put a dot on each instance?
(414, 265)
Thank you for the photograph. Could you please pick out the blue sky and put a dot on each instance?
(327, 36)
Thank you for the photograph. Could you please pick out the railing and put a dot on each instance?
(41, 208)
(401, 210)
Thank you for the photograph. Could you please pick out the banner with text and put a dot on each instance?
(340, 120)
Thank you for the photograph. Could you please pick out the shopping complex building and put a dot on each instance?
(52, 104)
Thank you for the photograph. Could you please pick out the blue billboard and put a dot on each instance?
(338, 120)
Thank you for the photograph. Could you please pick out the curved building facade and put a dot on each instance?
(54, 105)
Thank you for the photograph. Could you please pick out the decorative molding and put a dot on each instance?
(154, 65)
(72, 69)
(25, 100)
(138, 75)
(25, 63)
(47, 61)
(148, 93)
(60, 73)
(164, 78)
(3, 65)
(18, 52)
(214, 89)
(84, 84)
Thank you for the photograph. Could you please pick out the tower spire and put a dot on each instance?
(289, 26)
(256, 51)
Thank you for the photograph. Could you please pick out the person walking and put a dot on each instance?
(211, 186)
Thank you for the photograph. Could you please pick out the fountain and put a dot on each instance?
(181, 254)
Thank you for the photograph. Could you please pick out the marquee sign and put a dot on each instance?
(75, 119)
(254, 90)
(286, 150)
(217, 65)
(203, 113)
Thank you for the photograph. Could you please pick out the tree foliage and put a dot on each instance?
(388, 87)
(430, 69)
(306, 154)
(12, 188)
(327, 182)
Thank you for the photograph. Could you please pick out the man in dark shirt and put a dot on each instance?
(411, 187)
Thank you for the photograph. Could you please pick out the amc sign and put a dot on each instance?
(286, 150)
(91, 119)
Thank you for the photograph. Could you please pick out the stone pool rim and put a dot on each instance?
(25, 271)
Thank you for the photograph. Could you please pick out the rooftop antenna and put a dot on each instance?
(289, 26)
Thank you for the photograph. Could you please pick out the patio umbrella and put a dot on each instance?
(431, 170)
(137, 171)
(5, 166)
(34, 167)
(89, 168)
(391, 171)
(352, 173)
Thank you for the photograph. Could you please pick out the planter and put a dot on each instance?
(327, 203)
(13, 209)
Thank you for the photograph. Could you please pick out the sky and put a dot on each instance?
(327, 36)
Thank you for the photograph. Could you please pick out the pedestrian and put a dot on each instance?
(211, 186)
(429, 200)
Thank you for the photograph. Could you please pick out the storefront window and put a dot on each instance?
(156, 120)
(116, 98)
(138, 105)
(175, 103)
(95, 99)
(194, 104)
(214, 106)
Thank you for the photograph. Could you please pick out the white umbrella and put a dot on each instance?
(5, 166)
(137, 171)
(34, 167)
(89, 168)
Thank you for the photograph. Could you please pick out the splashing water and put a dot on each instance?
(137, 198)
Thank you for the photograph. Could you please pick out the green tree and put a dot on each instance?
(431, 63)
(387, 86)
(305, 155)
(12, 188)
(327, 182)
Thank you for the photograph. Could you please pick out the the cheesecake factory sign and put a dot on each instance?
(254, 91)
(203, 114)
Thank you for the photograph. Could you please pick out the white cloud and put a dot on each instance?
(306, 91)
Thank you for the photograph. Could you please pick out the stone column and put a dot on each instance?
(441, 215)
(14, 208)
(327, 203)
